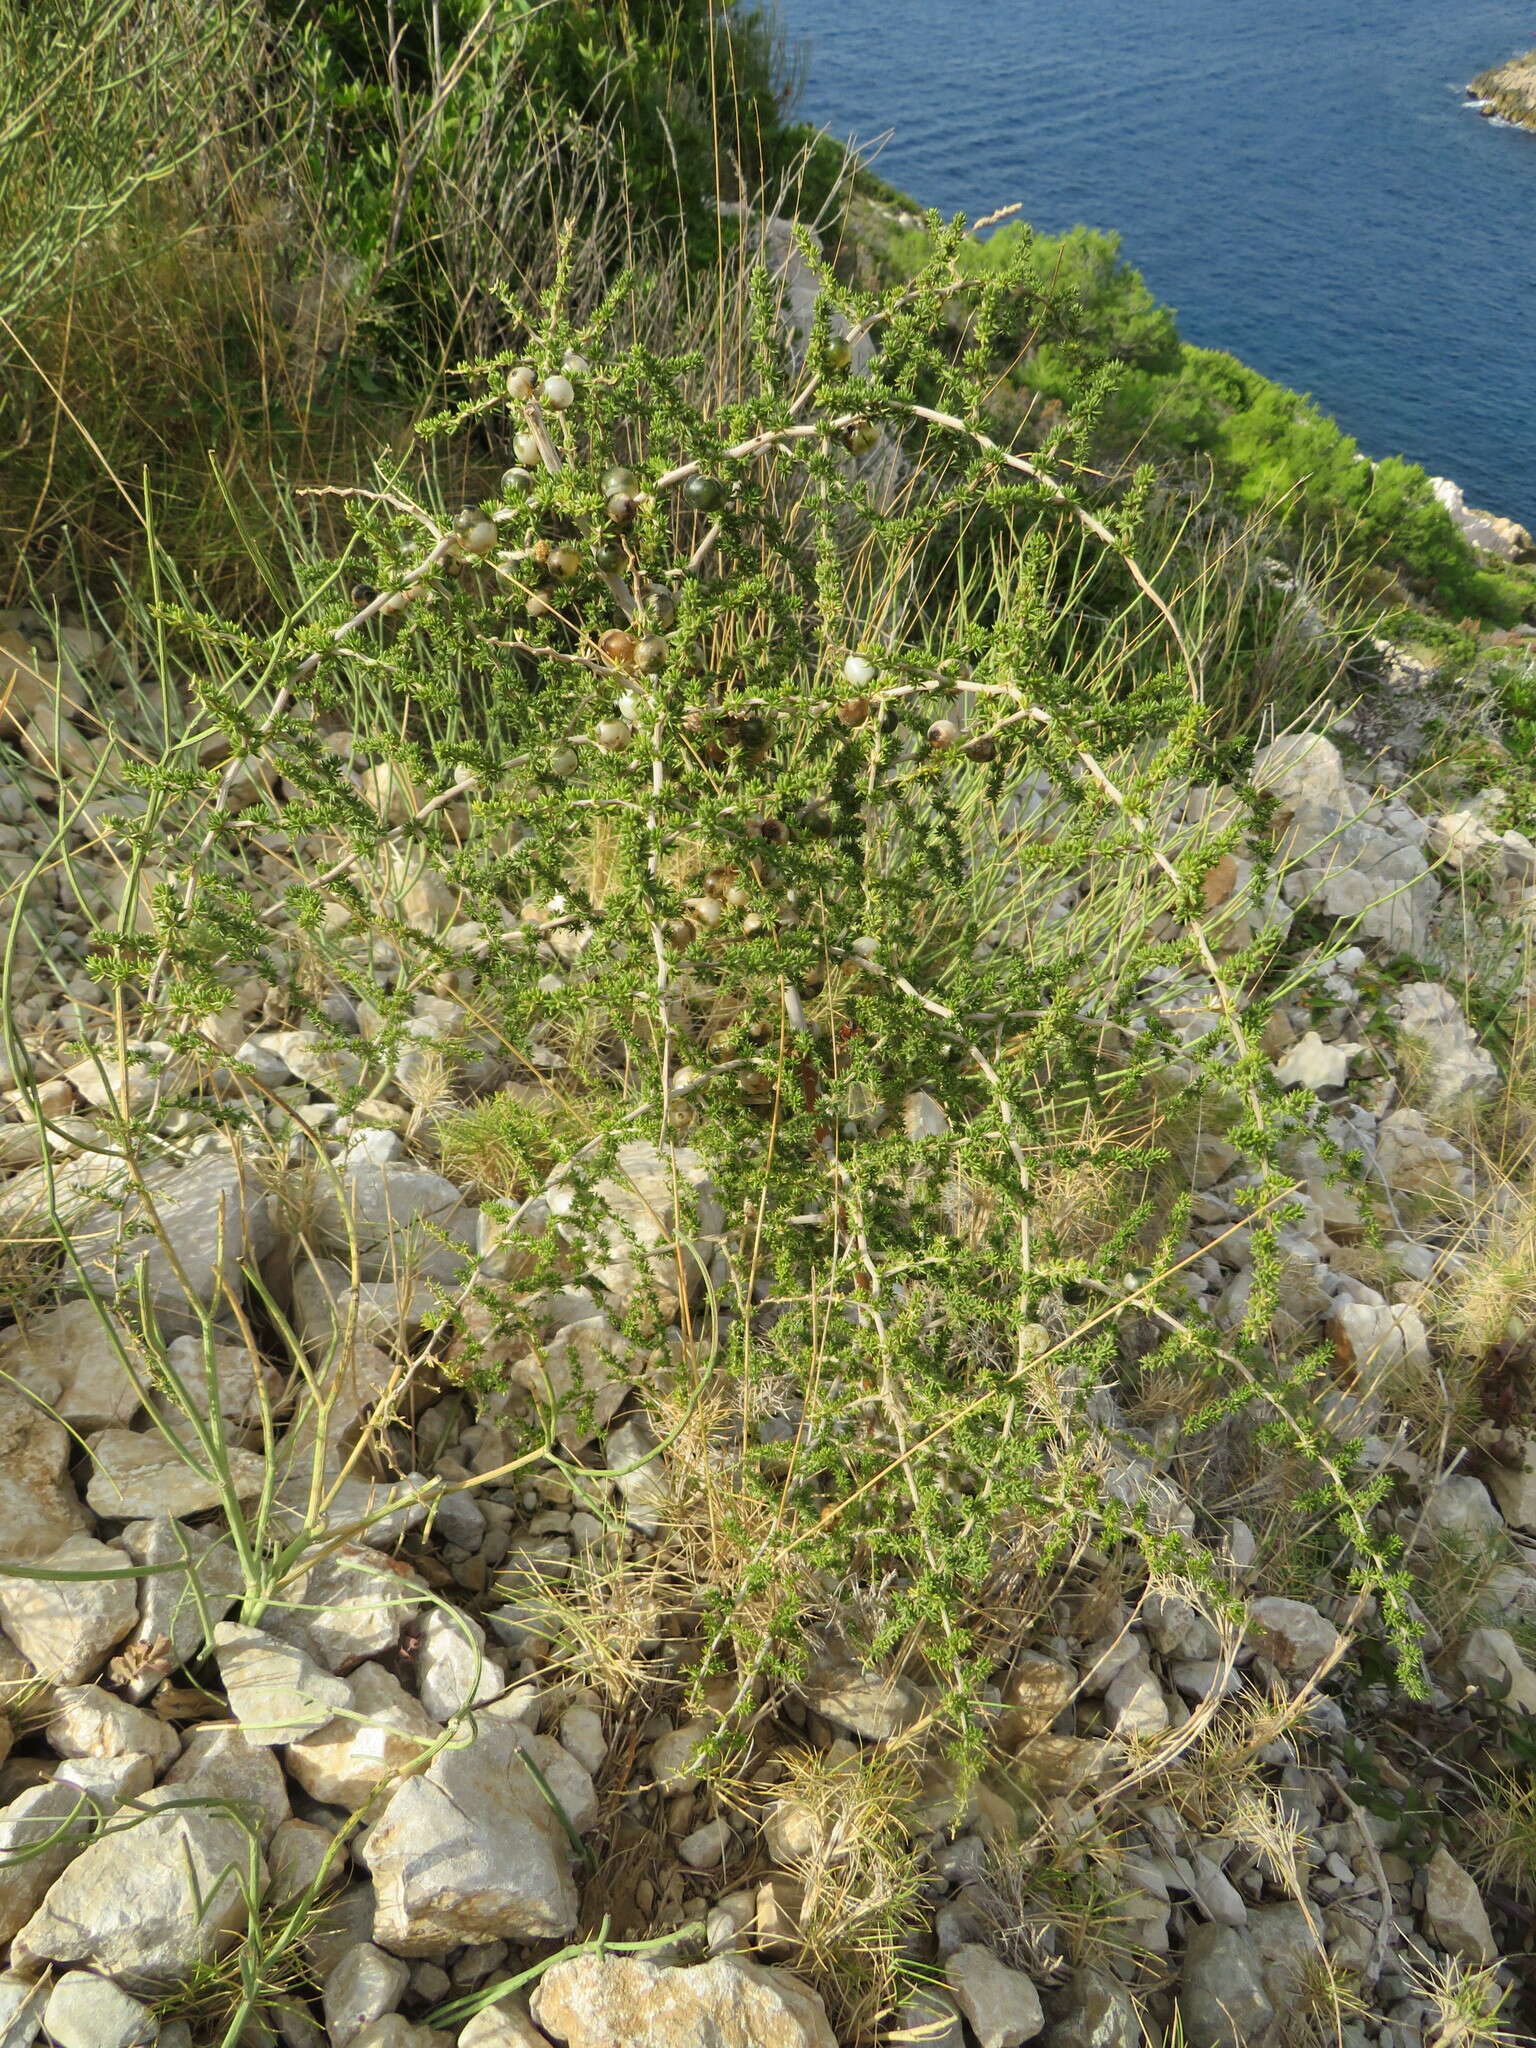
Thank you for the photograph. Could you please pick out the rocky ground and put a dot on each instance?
(1509, 90)
(375, 1762)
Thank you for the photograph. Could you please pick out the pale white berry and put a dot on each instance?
(526, 446)
(480, 538)
(521, 382)
(559, 392)
(859, 671)
(575, 365)
(613, 734)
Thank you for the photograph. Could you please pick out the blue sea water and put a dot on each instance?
(1301, 182)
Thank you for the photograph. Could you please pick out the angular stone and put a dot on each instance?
(1056, 1766)
(1411, 1157)
(677, 1760)
(395, 2031)
(1134, 1704)
(21, 2009)
(631, 1453)
(1462, 1506)
(1002, 2005)
(1295, 1637)
(69, 1357)
(383, 1735)
(148, 1904)
(350, 1606)
(579, 1376)
(213, 1221)
(332, 1069)
(41, 1833)
(1456, 1068)
(39, 1508)
(611, 2001)
(363, 1986)
(1178, 1628)
(582, 1733)
(405, 1220)
(1313, 1062)
(151, 1074)
(928, 2019)
(240, 1383)
(224, 1764)
(1376, 1340)
(1514, 1488)
(87, 2011)
(470, 1852)
(1221, 1997)
(1455, 1917)
(65, 1627)
(138, 1474)
(172, 1603)
(1098, 2014)
(863, 1702)
(89, 1721)
(1490, 1659)
(453, 1670)
(302, 1857)
(275, 1692)
(502, 2025)
(1035, 1693)
(644, 1237)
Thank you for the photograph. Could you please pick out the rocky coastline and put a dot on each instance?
(1507, 92)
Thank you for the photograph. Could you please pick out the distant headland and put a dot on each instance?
(1507, 92)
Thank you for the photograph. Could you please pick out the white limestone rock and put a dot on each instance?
(363, 1986)
(1457, 1070)
(87, 2011)
(469, 1852)
(148, 1904)
(276, 1693)
(66, 1627)
(1002, 2005)
(137, 1474)
(41, 1832)
(89, 1721)
(384, 1734)
(172, 1604)
(39, 1508)
(607, 2001)
(1455, 1917)
(225, 1764)
(75, 1361)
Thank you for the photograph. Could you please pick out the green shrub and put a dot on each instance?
(786, 815)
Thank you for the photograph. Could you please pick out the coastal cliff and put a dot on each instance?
(1508, 91)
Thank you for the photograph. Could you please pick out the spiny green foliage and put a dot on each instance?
(726, 792)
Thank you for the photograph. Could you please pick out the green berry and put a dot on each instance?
(516, 483)
(619, 482)
(704, 494)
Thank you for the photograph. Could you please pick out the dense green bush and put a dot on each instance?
(786, 816)
(250, 236)
(1089, 332)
